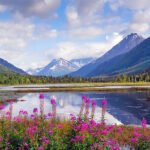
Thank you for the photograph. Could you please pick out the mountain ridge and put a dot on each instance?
(57, 67)
(124, 45)
(11, 67)
(139, 55)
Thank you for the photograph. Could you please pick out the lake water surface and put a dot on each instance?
(124, 107)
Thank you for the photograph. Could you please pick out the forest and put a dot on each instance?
(28, 79)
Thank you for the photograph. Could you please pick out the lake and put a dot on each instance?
(122, 107)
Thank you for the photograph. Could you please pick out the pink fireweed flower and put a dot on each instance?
(93, 103)
(136, 134)
(40, 148)
(87, 101)
(42, 108)
(119, 129)
(93, 123)
(144, 123)
(25, 113)
(135, 128)
(82, 105)
(53, 101)
(46, 141)
(93, 109)
(50, 114)
(2, 106)
(35, 110)
(84, 127)
(104, 102)
(72, 117)
(84, 97)
(134, 140)
(87, 106)
(59, 126)
(41, 96)
(77, 139)
(26, 145)
(104, 132)
(116, 148)
(50, 132)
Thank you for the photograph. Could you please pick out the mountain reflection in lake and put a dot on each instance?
(125, 107)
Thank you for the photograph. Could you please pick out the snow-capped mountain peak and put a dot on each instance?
(58, 67)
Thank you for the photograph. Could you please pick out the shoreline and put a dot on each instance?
(76, 88)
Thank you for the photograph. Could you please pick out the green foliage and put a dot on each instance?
(143, 145)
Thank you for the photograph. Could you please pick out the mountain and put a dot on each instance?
(82, 61)
(34, 71)
(135, 61)
(122, 47)
(11, 67)
(4, 70)
(58, 67)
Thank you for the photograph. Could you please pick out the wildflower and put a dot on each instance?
(84, 97)
(93, 103)
(77, 138)
(35, 110)
(144, 123)
(26, 145)
(2, 106)
(59, 126)
(50, 132)
(104, 132)
(135, 128)
(136, 134)
(104, 102)
(82, 106)
(32, 116)
(46, 141)
(50, 114)
(73, 118)
(116, 148)
(111, 142)
(92, 123)
(41, 96)
(84, 127)
(93, 109)
(40, 148)
(43, 137)
(134, 140)
(87, 101)
(119, 129)
(25, 113)
(53, 101)
(87, 108)
(45, 116)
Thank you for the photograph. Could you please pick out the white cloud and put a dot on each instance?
(15, 37)
(72, 16)
(84, 12)
(139, 27)
(85, 32)
(32, 8)
(131, 4)
(2, 8)
(69, 50)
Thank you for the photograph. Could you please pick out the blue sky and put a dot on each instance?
(33, 32)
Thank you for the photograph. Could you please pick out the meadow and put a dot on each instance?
(39, 131)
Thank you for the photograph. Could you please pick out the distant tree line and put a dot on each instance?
(28, 79)
(143, 77)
